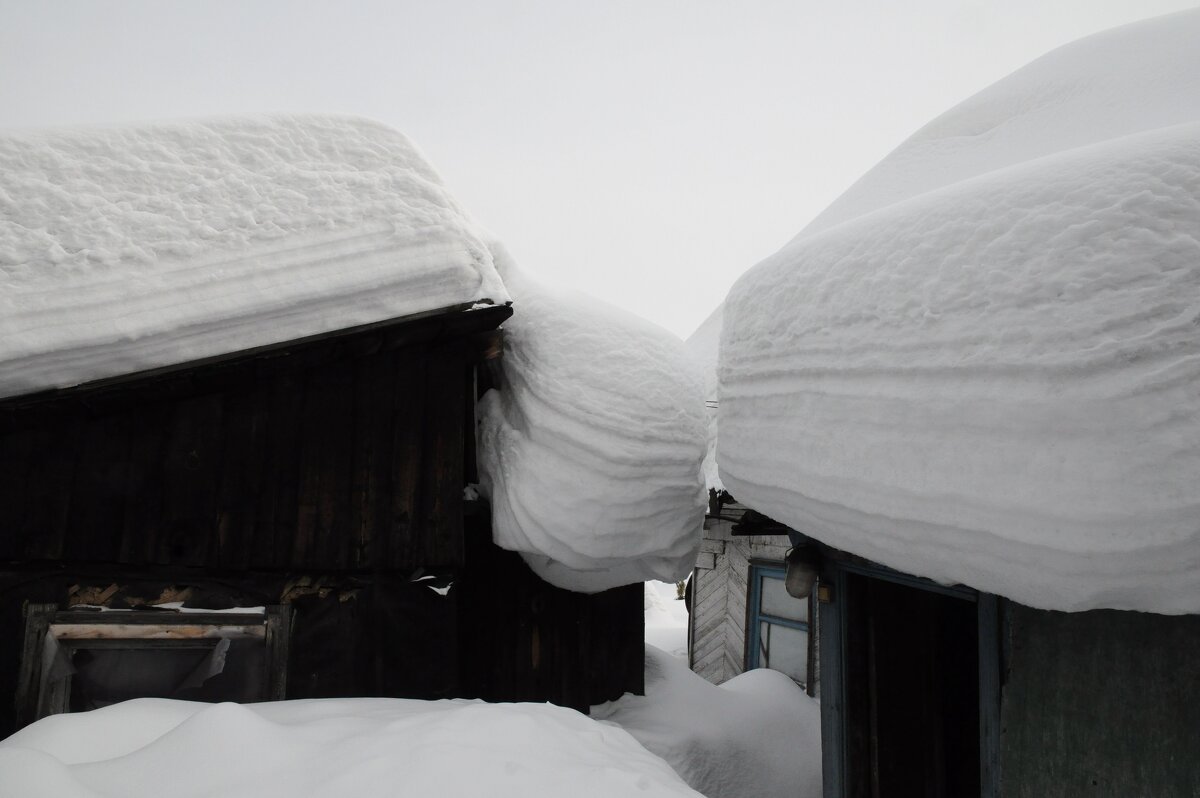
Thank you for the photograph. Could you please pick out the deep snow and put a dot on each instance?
(982, 365)
(123, 249)
(756, 735)
(591, 451)
(129, 248)
(359, 747)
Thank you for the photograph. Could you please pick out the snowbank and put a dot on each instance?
(335, 747)
(982, 365)
(756, 735)
(129, 248)
(590, 453)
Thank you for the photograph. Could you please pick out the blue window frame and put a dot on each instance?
(777, 633)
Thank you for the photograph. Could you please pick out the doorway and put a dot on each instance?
(911, 688)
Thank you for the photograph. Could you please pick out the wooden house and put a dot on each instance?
(292, 517)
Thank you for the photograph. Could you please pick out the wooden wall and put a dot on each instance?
(344, 453)
(326, 474)
(526, 640)
(719, 591)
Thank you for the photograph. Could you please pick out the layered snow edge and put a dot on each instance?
(995, 381)
(591, 451)
(131, 248)
(128, 249)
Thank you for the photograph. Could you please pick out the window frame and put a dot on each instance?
(758, 569)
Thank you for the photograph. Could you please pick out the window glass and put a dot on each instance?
(776, 601)
(784, 649)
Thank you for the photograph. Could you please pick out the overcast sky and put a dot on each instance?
(645, 152)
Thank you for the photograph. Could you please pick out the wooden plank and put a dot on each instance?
(988, 614)
(144, 514)
(99, 496)
(37, 621)
(441, 497)
(241, 477)
(191, 466)
(399, 545)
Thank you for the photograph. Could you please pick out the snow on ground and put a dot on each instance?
(590, 453)
(124, 249)
(666, 619)
(333, 747)
(983, 364)
(756, 735)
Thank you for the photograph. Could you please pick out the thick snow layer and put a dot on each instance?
(590, 453)
(337, 747)
(989, 371)
(703, 347)
(756, 735)
(129, 248)
(1120, 82)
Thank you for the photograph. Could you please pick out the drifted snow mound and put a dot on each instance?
(756, 735)
(130, 248)
(590, 452)
(996, 380)
(334, 747)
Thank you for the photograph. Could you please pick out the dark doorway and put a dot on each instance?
(911, 691)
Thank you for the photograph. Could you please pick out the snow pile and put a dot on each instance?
(756, 735)
(983, 364)
(129, 248)
(590, 453)
(335, 747)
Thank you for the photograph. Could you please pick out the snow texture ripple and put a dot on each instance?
(982, 365)
(124, 249)
(591, 450)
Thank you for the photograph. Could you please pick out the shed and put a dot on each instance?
(238, 382)
(973, 384)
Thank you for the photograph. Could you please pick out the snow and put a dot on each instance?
(703, 347)
(590, 453)
(982, 365)
(666, 620)
(756, 735)
(124, 249)
(349, 747)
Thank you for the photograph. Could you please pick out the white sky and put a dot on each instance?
(646, 152)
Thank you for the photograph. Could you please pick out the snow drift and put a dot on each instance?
(334, 747)
(756, 735)
(129, 248)
(982, 364)
(591, 451)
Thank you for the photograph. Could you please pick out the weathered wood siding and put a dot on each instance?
(526, 640)
(339, 454)
(1100, 703)
(718, 619)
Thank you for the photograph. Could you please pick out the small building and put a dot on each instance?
(741, 616)
(971, 389)
(238, 379)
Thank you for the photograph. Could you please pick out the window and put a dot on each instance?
(76, 660)
(777, 634)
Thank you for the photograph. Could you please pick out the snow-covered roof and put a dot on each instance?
(130, 248)
(591, 451)
(982, 364)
